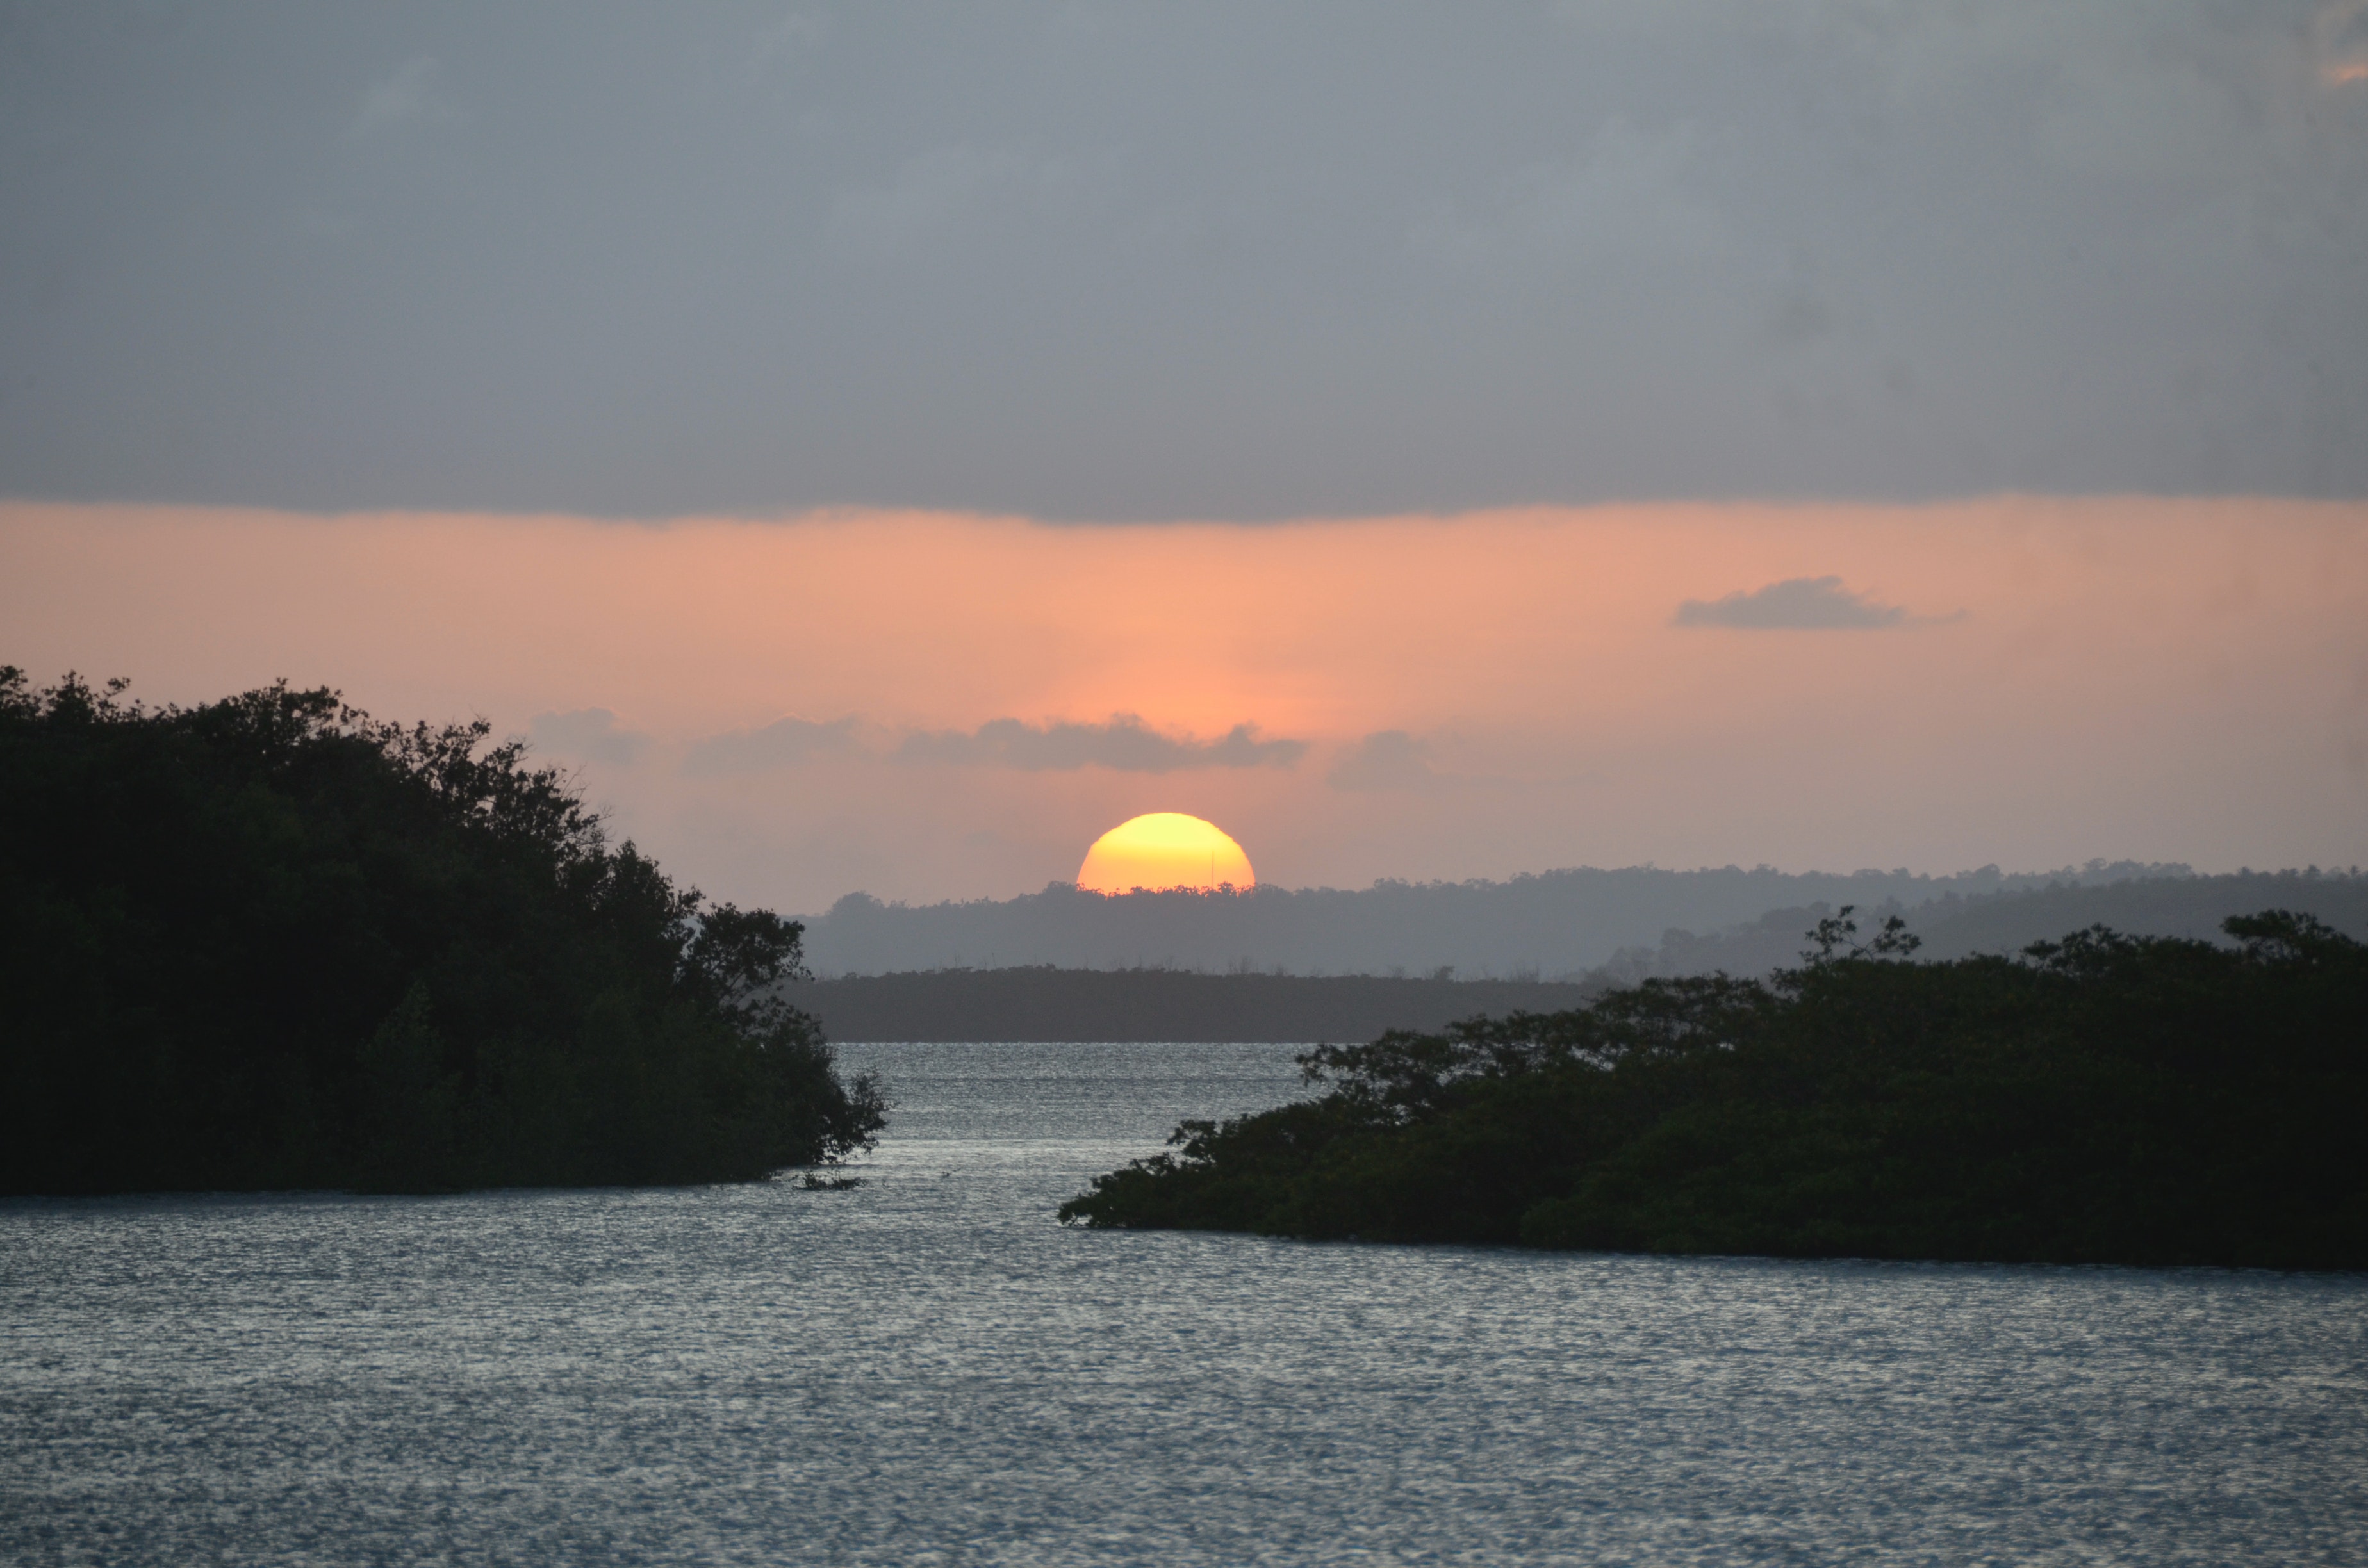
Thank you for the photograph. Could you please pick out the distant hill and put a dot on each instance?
(1954, 926)
(1556, 924)
(1161, 1003)
(1047, 1004)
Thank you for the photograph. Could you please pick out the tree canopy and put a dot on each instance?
(273, 942)
(2103, 1099)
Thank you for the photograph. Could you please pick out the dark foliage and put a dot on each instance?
(272, 942)
(2103, 1100)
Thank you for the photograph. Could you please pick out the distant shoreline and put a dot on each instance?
(1156, 1005)
(1587, 929)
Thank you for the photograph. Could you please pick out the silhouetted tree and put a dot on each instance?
(2103, 1099)
(271, 941)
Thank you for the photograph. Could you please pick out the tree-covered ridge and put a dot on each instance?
(273, 942)
(2102, 1099)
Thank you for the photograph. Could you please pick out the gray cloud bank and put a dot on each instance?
(1797, 604)
(1124, 745)
(1213, 259)
(784, 743)
(589, 733)
(1386, 759)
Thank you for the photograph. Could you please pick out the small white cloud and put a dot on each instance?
(1797, 604)
(590, 734)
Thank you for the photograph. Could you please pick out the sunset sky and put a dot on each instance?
(926, 706)
(882, 449)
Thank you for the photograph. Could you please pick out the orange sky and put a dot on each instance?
(2151, 678)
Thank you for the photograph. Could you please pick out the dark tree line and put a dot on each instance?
(272, 942)
(2103, 1099)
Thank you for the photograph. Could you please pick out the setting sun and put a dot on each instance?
(1165, 849)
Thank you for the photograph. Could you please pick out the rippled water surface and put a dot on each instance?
(928, 1369)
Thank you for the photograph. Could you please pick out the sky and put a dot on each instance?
(883, 447)
(927, 705)
(1161, 261)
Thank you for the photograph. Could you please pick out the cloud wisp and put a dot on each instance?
(1124, 745)
(784, 743)
(1797, 604)
(1386, 759)
(589, 734)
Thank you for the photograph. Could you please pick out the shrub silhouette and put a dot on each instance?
(272, 942)
(2103, 1099)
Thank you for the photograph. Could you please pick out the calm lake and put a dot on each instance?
(928, 1369)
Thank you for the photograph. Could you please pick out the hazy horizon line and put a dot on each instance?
(2137, 870)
